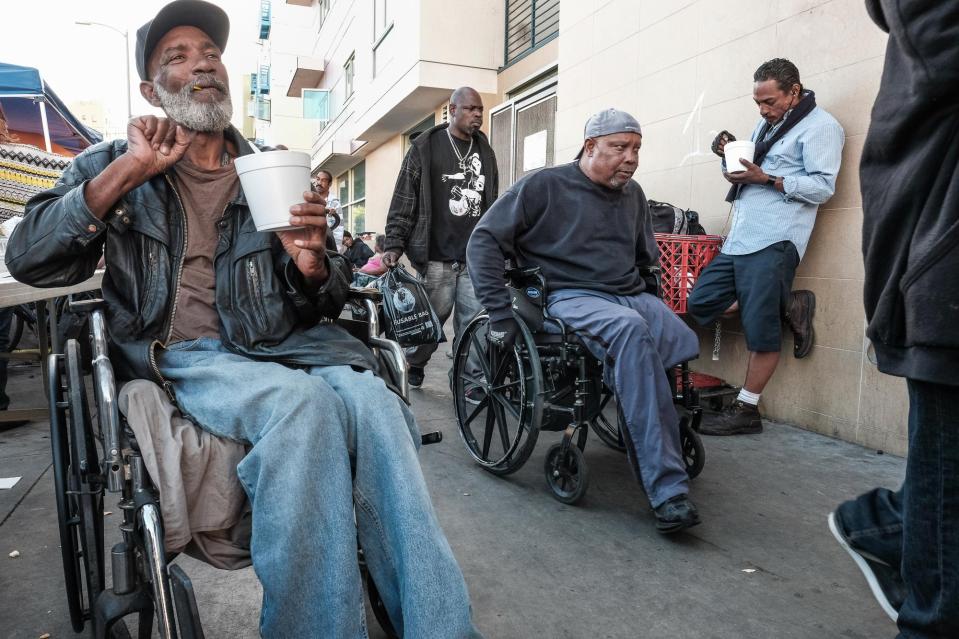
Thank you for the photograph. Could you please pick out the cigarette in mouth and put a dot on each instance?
(197, 87)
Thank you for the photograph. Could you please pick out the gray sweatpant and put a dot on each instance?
(637, 338)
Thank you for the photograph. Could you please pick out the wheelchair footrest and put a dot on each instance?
(431, 438)
(184, 599)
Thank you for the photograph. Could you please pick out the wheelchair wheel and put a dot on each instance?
(567, 475)
(78, 486)
(379, 608)
(611, 435)
(509, 406)
(694, 453)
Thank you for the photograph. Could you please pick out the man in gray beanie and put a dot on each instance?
(586, 225)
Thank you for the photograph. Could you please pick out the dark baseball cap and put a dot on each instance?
(608, 122)
(205, 16)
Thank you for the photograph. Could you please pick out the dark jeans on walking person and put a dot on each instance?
(450, 291)
(916, 529)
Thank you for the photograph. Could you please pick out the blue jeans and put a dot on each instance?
(326, 439)
(448, 286)
(917, 527)
(637, 338)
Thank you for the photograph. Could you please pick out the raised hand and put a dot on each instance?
(719, 143)
(155, 144)
(307, 244)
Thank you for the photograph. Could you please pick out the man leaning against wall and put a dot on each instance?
(798, 147)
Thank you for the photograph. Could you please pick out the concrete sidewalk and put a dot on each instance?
(761, 565)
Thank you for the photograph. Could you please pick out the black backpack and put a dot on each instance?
(668, 218)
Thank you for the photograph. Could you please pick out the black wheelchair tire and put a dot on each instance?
(78, 488)
(610, 435)
(379, 608)
(693, 451)
(16, 332)
(516, 447)
(568, 478)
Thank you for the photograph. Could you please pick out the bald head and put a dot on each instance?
(466, 112)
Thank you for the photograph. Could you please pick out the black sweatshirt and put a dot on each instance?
(910, 193)
(581, 234)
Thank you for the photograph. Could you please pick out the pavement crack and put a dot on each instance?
(25, 493)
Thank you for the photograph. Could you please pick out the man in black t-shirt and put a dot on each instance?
(447, 181)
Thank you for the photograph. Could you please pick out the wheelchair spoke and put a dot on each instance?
(469, 379)
(501, 425)
(481, 354)
(476, 411)
(502, 402)
(505, 386)
(488, 435)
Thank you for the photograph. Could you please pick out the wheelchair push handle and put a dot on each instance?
(80, 305)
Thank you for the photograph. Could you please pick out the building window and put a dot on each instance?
(324, 11)
(266, 19)
(413, 133)
(263, 109)
(348, 77)
(352, 189)
(523, 132)
(382, 40)
(316, 105)
(382, 18)
(529, 25)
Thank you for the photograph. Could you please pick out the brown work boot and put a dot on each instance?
(802, 308)
(739, 419)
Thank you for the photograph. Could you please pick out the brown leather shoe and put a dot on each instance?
(739, 419)
(802, 308)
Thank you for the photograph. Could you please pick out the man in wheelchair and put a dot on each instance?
(237, 326)
(586, 226)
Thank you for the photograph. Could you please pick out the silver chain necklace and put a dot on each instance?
(461, 158)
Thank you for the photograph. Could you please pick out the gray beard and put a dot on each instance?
(205, 117)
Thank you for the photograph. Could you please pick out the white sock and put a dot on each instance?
(748, 398)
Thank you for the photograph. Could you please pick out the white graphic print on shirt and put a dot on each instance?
(467, 198)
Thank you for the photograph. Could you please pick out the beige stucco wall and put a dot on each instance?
(660, 60)
(382, 167)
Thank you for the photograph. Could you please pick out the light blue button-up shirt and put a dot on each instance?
(807, 158)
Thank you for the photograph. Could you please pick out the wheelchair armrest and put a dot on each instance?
(522, 272)
(359, 294)
(79, 306)
(653, 276)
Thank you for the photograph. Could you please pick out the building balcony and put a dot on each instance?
(308, 73)
(266, 19)
(416, 93)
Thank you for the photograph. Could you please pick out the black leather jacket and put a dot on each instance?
(265, 309)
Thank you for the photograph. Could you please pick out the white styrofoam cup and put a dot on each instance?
(273, 182)
(736, 150)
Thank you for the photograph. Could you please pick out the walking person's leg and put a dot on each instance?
(406, 551)
(907, 543)
(439, 280)
(297, 476)
(467, 306)
(930, 546)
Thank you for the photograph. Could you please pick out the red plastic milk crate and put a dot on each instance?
(682, 258)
